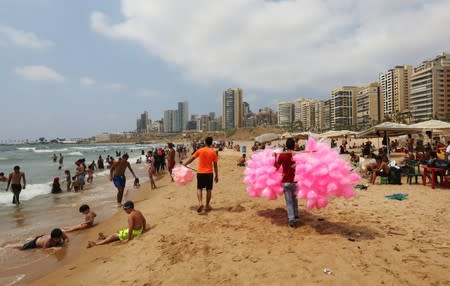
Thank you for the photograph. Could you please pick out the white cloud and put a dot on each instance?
(87, 81)
(283, 44)
(114, 86)
(24, 39)
(148, 93)
(39, 73)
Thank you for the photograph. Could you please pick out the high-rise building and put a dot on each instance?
(369, 106)
(430, 89)
(143, 123)
(395, 87)
(232, 108)
(183, 116)
(326, 124)
(285, 113)
(170, 120)
(343, 107)
(318, 116)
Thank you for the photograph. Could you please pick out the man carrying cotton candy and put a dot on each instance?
(289, 185)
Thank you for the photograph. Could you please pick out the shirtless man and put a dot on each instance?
(14, 181)
(117, 175)
(380, 168)
(136, 227)
(171, 159)
(55, 239)
(89, 217)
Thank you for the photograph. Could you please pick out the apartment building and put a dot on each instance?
(430, 89)
(232, 108)
(395, 85)
(369, 106)
(343, 107)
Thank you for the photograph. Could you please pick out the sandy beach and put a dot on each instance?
(368, 240)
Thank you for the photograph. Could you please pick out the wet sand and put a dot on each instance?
(41, 214)
(369, 240)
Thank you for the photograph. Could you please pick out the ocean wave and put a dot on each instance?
(30, 192)
(50, 150)
(3, 158)
(75, 154)
(26, 148)
(89, 148)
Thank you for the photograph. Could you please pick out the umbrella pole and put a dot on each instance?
(387, 145)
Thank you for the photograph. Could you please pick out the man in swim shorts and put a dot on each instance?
(117, 175)
(14, 181)
(57, 238)
(136, 226)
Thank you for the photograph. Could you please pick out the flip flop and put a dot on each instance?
(200, 209)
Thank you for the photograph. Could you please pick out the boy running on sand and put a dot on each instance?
(136, 227)
(89, 217)
(55, 239)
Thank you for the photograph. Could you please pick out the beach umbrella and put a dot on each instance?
(267, 137)
(432, 125)
(388, 129)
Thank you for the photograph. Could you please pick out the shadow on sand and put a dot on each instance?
(278, 217)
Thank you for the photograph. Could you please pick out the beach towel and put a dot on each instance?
(399, 197)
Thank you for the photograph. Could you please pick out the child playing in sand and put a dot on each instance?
(89, 217)
(55, 239)
(136, 183)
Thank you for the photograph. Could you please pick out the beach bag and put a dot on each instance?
(395, 176)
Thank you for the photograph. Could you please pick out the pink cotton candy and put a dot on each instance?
(321, 173)
(261, 177)
(182, 175)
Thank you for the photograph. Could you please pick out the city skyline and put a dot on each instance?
(88, 67)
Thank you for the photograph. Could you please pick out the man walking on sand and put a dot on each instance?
(136, 227)
(14, 181)
(117, 175)
(207, 159)
(289, 184)
(170, 159)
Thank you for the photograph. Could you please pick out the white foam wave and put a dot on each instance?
(3, 158)
(89, 148)
(30, 192)
(49, 150)
(26, 148)
(75, 154)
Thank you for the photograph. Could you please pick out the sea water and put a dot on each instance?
(40, 210)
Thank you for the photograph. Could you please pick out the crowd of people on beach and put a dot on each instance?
(207, 173)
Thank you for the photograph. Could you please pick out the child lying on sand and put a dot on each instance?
(89, 217)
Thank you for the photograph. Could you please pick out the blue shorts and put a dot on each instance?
(119, 181)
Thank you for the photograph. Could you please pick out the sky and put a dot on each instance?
(76, 68)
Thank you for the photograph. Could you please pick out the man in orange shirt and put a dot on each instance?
(207, 160)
